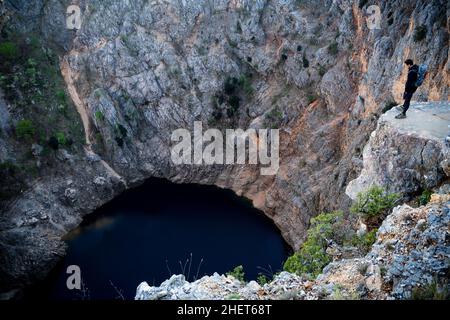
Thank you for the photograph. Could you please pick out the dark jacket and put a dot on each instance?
(413, 74)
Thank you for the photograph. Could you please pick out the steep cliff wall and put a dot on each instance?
(137, 70)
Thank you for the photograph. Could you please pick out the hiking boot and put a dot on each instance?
(401, 116)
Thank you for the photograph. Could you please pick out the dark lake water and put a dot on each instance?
(151, 232)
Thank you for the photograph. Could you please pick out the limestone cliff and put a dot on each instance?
(407, 156)
(136, 70)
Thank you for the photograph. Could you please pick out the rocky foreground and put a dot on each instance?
(411, 251)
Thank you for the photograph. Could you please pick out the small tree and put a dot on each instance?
(25, 129)
(420, 33)
(312, 256)
(333, 48)
(8, 50)
(237, 273)
(374, 203)
(262, 279)
(424, 198)
(62, 140)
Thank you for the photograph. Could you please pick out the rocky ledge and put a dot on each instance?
(407, 155)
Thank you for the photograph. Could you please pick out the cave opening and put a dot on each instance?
(158, 229)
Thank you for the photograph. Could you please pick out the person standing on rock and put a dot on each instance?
(410, 86)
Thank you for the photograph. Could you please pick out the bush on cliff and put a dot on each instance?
(364, 243)
(424, 198)
(438, 289)
(237, 273)
(374, 204)
(8, 50)
(312, 256)
(25, 129)
(420, 33)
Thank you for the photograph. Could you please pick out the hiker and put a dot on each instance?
(416, 76)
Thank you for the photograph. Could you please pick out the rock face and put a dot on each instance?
(137, 70)
(407, 155)
(411, 251)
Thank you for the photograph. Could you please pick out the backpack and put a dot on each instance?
(421, 74)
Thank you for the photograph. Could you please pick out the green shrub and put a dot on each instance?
(61, 96)
(369, 239)
(312, 256)
(234, 90)
(234, 102)
(8, 50)
(238, 28)
(98, 93)
(273, 118)
(374, 202)
(61, 137)
(216, 102)
(122, 130)
(365, 242)
(245, 84)
(310, 260)
(333, 49)
(230, 85)
(32, 74)
(99, 116)
(234, 296)
(432, 291)
(25, 129)
(311, 98)
(8, 167)
(237, 273)
(420, 33)
(424, 198)
(3, 80)
(322, 70)
(98, 138)
(305, 62)
(262, 279)
(232, 43)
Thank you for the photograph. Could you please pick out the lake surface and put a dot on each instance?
(151, 232)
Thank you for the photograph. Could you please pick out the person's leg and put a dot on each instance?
(407, 99)
(407, 102)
